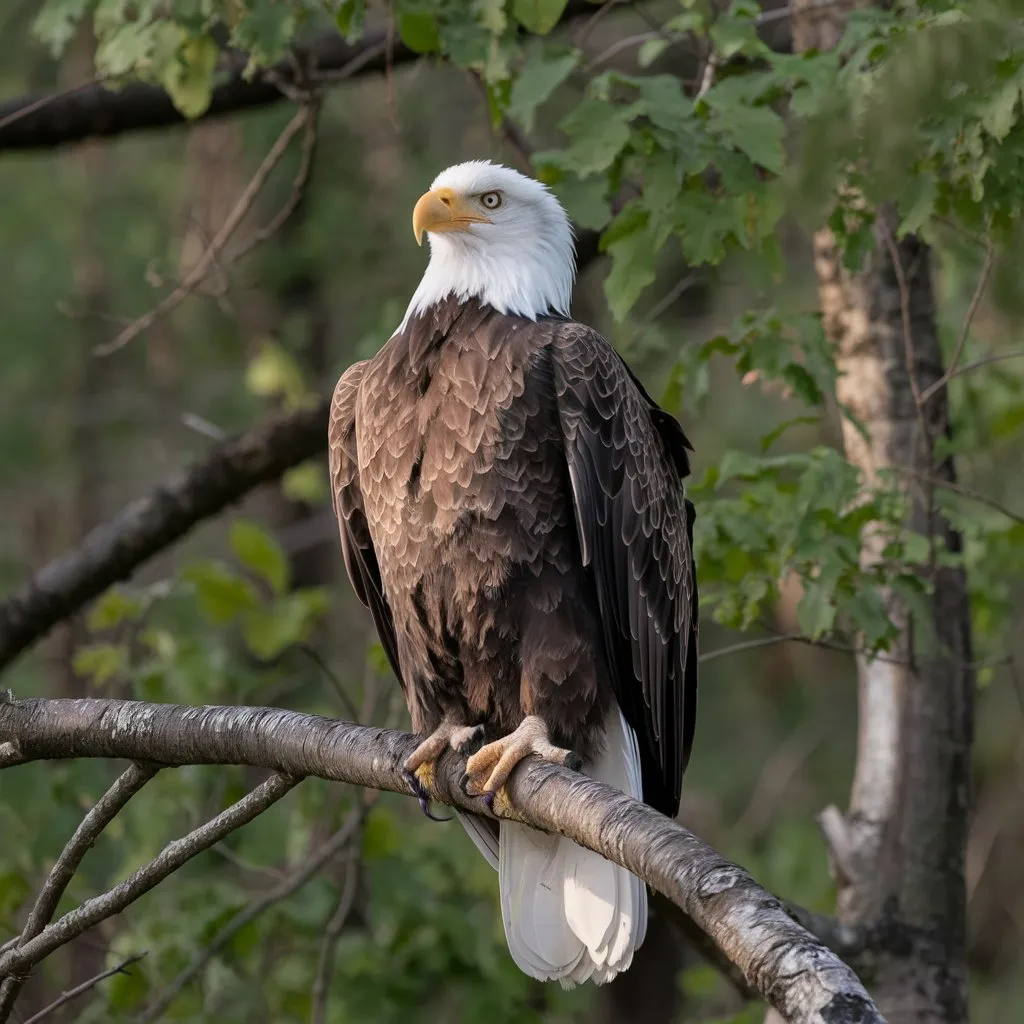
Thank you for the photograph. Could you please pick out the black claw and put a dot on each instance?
(489, 801)
(464, 784)
(421, 795)
(573, 761)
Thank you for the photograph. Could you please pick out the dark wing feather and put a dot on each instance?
(356, 544)
(627, 459)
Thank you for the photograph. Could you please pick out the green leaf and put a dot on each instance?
(265, 31)
(918, 203)
(260, 553)
(305, 482)
(706, 224)
(189, 79)
(101, 662)
(271, 630)
(349, 18)
(57, 21)
(544, 71)
(1001, 110)
(113, 608)
(274, 372)
(816, 612)
(633, 269)
(418, 29)
(538, 16)
(650, 51)
(222, 595)
(756, 132)
(598, 132)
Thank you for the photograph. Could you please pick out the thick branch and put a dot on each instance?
(33, 122)
(114, 550)
(782, 962)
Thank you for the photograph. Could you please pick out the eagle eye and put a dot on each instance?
(491, 200)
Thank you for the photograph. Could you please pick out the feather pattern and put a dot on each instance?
(511, 512)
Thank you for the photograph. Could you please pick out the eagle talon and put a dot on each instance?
(490, 767)
(421, 794)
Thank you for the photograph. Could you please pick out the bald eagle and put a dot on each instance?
(511, 508)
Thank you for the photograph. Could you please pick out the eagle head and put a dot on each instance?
(495, 235)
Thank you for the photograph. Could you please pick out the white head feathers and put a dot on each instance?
(507, 241)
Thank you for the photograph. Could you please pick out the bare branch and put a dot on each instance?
(972, 308)
(325, 964)
(112, 551)
(782, 962)
(212, 255)
(131, 780)
(966, 492)
(285, 888)
(172, 857)
(74, 993)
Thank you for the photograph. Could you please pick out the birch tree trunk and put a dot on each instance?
(898, 851)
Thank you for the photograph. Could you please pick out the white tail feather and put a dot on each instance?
(569, 914)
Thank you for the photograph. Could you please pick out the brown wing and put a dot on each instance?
(627, 459)
(356, 545)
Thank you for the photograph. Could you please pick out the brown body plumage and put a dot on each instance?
(453, 452)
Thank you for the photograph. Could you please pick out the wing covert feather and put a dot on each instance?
(627, 459)
(347, 500)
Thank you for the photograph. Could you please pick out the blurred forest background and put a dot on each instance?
(401, 921)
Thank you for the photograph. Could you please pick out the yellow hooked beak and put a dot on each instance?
(441, 209)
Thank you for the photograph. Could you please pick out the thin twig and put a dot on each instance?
(684, 284)
(967, 492)
(169, 860)
(241, 208)
(127, 784)
(314, 655)
(593, 21)
(998, 357)
(45, 101)
(74, 993)
(285, 888)
(972, 308)
(325, 964)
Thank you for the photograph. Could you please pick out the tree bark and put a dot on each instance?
(898, 852)
(779, 960)
(112, 551)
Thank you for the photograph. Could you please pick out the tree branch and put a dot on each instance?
(106, 809)
(33, 122)
(172, 857)
(782, 962)
(78, 990)
(112, 551)
(288, 885)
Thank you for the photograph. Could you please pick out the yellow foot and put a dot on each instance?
(463, 739)
(489, 768)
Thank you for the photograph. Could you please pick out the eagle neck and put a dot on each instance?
(528, 278)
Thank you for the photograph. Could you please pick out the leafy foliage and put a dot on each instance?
(921, 105)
